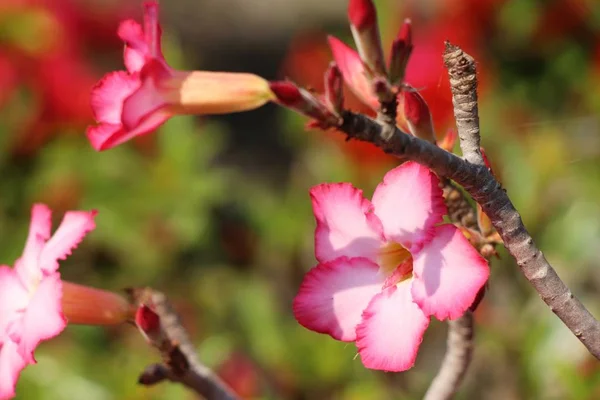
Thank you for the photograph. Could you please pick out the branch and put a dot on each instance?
(162, 327)
(485, 189)
(463, 84)
(456, 360)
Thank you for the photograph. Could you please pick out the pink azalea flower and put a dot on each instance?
(386, 266)
(30, 293)
(136, 102)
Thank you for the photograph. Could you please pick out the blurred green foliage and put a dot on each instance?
(229, 245)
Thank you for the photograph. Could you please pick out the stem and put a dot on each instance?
(456, 361)
(181, 363)
(463, 84)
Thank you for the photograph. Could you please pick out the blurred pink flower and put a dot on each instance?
(386, 266)
(30, 293)
(136, 102)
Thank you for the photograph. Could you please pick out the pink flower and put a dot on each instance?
(30, 293)
(386, 266)
(136, 102)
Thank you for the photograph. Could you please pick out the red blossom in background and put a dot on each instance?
(47, 55)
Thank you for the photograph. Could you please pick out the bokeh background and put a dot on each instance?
(215, 211)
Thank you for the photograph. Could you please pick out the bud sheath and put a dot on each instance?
(89, 306)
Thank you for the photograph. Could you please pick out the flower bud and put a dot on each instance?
(401, 49)
(334, 93)
(302, 101)
(418, 117)
(365, 30)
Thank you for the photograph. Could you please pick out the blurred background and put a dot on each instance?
(215, 212)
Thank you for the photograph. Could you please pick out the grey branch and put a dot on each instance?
(457, 358)
(485, 189)
(181, 363)
(463, 84)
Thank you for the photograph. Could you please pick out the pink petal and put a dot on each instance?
(136, 48)
(13, 298)
(333, 296)
(107, 136)
(409, 204)
(74, 226)
(146, 99)
(392, 330)
(346, 225)
(353, 71)
(43, 318)
(448, 273)
(100, 136)
(39, 232)
(110, 92)
(11, 365)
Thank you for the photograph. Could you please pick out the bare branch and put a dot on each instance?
(463, 84)
(485, 189)
(456, 361)
(181, 363)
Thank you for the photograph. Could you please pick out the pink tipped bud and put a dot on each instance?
(448, 142)
(334, 93)
(289, 95)
(418, 117)
(401, 50)
(89, 306)
(147, 320)
(365, 30)
(362, 14)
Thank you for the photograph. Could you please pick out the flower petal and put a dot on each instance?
(333, 296)
(110, 92)
(106, 136)
(392, 330)
(146, 99)
(39, 232)
(448, 273)
(43, 319)
(136, 48)
(13, 297)
(11, 365)
(74, 226)
(100, 135)
(346, 225)
(409, 204)
(353, 71)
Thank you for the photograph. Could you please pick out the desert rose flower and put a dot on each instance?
(34, 303)
(386, 266)
(136, 102)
